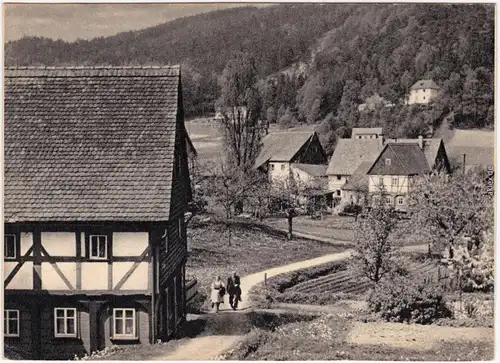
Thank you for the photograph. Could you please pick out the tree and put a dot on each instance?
(291, 194)
(376, 240)
(450, 210)
(230, 186)
(240, 106)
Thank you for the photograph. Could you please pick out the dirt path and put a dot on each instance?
(209, 347)
(228, 327)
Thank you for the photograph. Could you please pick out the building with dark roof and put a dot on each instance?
(280, 150)
(423, 92)
(96, 187)
(394, 171)
(347, 157)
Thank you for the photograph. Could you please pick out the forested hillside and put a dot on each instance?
(346, 53)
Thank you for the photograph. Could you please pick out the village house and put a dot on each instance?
(367, 133)
(394, 171)
(348, 156)
(423, 92)
(96, 187)
(281, 151)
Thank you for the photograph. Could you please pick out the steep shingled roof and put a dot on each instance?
(282, 146)
(359, 179)
(90, 144)
(350, 153)
(430, 146)
(425, 84)
(406, 159)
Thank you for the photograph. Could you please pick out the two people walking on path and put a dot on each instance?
(219, 290)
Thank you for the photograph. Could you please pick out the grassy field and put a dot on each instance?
(251, 250)
(332, 337)
(334, 227)
(206, 137)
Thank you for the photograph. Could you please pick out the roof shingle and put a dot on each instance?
(350, 153)
(425, 84)
(282, 146)
(405, 159)
(89, 144)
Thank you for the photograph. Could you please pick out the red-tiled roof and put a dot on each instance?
(90, 144)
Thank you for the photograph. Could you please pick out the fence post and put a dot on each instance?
(265, 278)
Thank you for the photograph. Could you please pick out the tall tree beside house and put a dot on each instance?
(240, 106)
(455, 214)
(377, 241)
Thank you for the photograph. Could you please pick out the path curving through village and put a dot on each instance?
(231, 326)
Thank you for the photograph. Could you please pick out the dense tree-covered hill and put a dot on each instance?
(345, 52)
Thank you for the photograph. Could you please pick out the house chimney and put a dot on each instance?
(421, 141)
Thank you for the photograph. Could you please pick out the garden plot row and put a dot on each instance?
(349, 282)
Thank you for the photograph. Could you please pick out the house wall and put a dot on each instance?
(63, 265)
(401, 187)
(334, 184)
(422, 96)
(279, 171)
(397, 194)
(351, 196)
(94, 324)
(301, 175)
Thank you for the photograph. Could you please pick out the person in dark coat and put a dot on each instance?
(234, 290)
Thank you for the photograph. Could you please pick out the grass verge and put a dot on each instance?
(252, 249)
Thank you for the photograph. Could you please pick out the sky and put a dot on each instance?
(72, 21)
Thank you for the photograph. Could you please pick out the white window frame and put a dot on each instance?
(394, 178)
(400, 200)
(388, 161)
(282, 167)
(6, 316)
(65, 334)
(388, 200)
(92, 257)
(6, 249)
(124, 319)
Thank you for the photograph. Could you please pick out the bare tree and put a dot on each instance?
(240, 107)
(292, 194)
(228, 187)
(376, 242)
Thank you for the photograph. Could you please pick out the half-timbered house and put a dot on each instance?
(96, 187)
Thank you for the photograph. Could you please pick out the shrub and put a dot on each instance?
(405, 300)
(195, 305)
(316, 298)
(352, 209)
